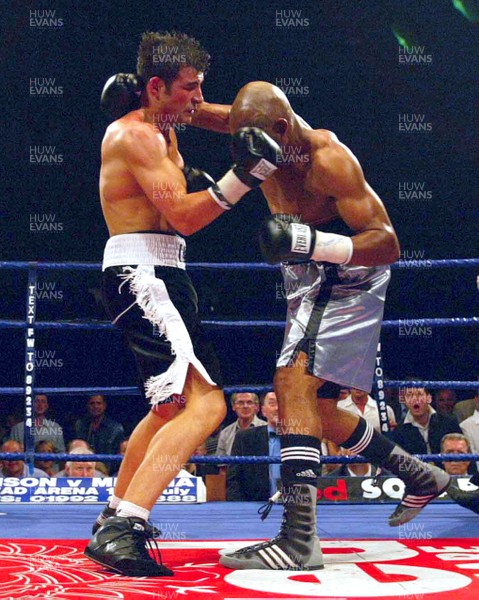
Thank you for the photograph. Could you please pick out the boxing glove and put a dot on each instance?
(256, 157)
(282, 238)
(121, 95)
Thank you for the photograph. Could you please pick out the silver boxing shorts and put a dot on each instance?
(334, 316)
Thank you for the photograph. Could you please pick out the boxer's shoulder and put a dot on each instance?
(332, 164)
(134, 139)
(328, 153)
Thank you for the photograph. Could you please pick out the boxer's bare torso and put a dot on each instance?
(321, 180)
(125, 206)
(316, 178)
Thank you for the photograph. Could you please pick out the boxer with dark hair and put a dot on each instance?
(146, 200)
(333, 236)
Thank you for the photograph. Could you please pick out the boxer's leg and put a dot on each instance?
(120, 543)
(296, 547)
(424, 482)
(135, 453)
(205, 409)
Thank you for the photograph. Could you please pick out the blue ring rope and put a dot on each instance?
(95, 325)
(231, 389)
(402, 264)
(222, 460)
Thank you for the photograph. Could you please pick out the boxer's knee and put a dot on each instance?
(290, 382)
(218, 409)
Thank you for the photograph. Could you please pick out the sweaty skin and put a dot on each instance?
(142, 187)
(320, 179)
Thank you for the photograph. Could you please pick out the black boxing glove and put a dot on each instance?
(197, 180)
(256, 157)
(121, 95)
(282, 238)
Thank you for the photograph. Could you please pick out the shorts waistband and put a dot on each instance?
(158, 249)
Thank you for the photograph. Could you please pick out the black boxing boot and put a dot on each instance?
(424, 482)
(296, 547)
(469, 499)
(119, 545)
(108, 512)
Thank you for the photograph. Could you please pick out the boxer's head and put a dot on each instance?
(172, 66)
(262, 104)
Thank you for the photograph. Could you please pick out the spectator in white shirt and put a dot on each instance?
(470, 428)
(361, 404)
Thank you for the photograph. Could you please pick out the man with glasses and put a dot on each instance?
(246, 406)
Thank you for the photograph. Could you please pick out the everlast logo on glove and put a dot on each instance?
(263, 169)
(301, 238)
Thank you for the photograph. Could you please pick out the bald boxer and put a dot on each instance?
(334, 239)
(145, 200)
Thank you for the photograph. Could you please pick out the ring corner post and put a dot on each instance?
(31, 309)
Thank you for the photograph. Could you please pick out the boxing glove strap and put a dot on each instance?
(333, 248)
(232, 188)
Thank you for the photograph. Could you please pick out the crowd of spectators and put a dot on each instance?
(422, 423)
(94, 432)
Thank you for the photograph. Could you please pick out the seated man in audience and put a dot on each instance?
(245, 405)
(17, 468)
(80, 469)
(467, 498)
(99, 430)
(360, 403)
(201, 469)
(470, 428)
(353, 469)
(256, 481)
(43, 428)
(465, 408)
(50, 467)
(444, 401)
(456, 443)
(12, 417)
(329, 448)
(423, 428)
(77, 443)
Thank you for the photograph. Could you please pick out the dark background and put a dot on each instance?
(347, 57)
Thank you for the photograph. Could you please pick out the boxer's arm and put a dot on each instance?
(215, 117)
(337, 173)
(164, 183)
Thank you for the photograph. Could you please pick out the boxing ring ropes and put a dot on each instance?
(31, 325)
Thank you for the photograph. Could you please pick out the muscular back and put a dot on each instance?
(125, 205)
(324, 181)
(297, 188)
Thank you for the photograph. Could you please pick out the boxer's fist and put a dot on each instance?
(121, 94)
(281, 239)
(197, 180)
(256, 155)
